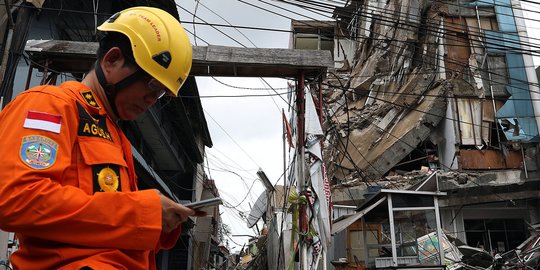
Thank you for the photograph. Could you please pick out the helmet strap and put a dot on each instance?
(111, 90)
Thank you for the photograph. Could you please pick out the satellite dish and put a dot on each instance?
(258, 210)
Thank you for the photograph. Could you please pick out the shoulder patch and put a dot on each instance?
(90, 99)
(38, 152)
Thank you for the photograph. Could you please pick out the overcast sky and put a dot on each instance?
(247, 131)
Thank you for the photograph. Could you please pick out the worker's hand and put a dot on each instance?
(173, 214)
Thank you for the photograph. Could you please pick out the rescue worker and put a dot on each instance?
(68, 187)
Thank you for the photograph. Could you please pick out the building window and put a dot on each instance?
(495, 235)
(314, 42)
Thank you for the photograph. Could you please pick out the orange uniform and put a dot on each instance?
(67, 185)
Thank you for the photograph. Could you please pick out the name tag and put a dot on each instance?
(93, 126)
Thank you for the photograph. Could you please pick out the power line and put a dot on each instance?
(390, 19)
(225, 96)
(187, 22)
(221, 17)
(223, 33)
(194, 15)
(232, 139)
(238, 166)
(206, 23)
(347, 154)
(458, 63)
(241, 96)
(413, 108)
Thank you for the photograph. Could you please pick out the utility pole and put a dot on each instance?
(300, 161)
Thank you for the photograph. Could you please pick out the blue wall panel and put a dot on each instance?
(518, 109)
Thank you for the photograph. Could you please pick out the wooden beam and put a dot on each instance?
(74, 56)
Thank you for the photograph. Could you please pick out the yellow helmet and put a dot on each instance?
(160, 44)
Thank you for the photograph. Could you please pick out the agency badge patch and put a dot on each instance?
(38, 152)
(106, 178)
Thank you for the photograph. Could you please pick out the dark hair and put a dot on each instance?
(115, 39)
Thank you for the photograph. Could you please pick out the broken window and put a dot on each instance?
(495, 76)
(425, 155)
(469, 111)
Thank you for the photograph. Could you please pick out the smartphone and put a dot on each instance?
(204, 203)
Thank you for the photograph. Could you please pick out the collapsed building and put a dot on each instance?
(440, 89)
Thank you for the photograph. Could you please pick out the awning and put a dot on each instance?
(344, 223)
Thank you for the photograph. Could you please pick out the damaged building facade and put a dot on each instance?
(434, 88)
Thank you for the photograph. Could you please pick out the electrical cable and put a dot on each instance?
(254, 46)
(230, 24)
(250, 88)
(392, 21)
(184, 22)
(236, 174)
(459, 5)
(215, 28)
(459, 63)
(230, 137)
(460, 121)
(237, 166)
(354, 146)
(197, 37)
(432, 114)
(415, 147)
(241, 96)
(194, 16)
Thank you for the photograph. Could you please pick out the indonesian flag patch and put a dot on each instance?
(43, 121)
